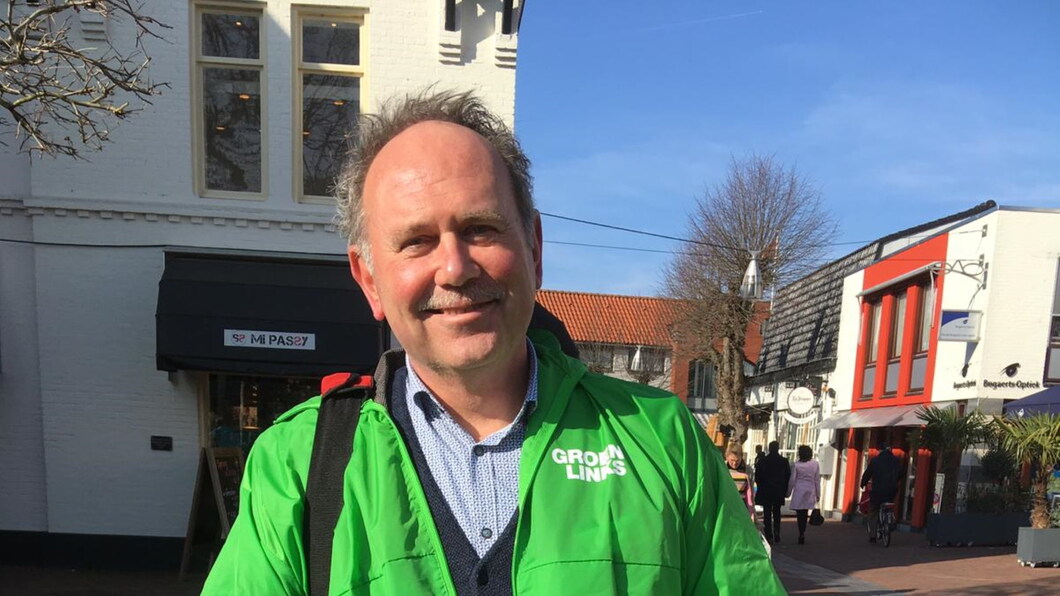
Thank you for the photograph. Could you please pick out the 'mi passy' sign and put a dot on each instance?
(959, 325)
(276, 340)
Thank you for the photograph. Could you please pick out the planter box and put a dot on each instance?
(975, 529)
(1038, 547)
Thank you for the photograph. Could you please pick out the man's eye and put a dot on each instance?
(415, 243)
(481, 232)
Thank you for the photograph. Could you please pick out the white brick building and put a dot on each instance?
(226, 168)
(969, 317)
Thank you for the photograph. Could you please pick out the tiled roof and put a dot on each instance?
(630, 320)
(802, 333)
(612, 319)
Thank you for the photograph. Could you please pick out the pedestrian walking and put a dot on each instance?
(804, 488)
(883, 470)
(738, 472)
(772, 473)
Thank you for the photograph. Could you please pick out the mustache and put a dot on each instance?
(476, 293)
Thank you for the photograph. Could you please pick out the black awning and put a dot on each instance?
(263, 315)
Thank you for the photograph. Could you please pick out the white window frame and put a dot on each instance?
(199, 62)
(298, 15)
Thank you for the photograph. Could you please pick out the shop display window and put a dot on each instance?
(241, 407)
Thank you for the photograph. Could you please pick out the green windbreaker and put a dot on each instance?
(620, 492)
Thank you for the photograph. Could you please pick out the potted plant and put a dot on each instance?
(1035, 440)
(946, 433)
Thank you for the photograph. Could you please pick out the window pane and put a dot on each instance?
(331, 41)
(597, 358)
(916, 380)
(927, 302)
(330, 105)
(1054, 331)
(898, 325)
(874, 326)
(890, 384)
(1052, 371)
(242, 407)
(869, 381)
(230, 36)
(232, 123)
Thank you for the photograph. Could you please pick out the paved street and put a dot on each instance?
(837, 559)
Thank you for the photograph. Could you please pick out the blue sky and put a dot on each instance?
(899, 112)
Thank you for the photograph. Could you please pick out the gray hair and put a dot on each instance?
(374, 131)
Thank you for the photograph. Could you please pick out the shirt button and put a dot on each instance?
(486, 533)
(483, 577)
(479, 450)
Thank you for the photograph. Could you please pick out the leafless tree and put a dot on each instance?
(61, 96)
(761, 209)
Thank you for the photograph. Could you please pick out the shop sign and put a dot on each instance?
(959, 325)
(273, 340)
(800, 401)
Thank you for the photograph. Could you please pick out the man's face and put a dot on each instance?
(452, 270)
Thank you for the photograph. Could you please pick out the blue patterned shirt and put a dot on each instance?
(480, 481)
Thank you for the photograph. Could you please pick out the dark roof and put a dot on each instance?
(801, 335)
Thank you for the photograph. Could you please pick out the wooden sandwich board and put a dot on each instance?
(215, 503)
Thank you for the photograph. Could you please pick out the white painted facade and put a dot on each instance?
(1020, 249)
(80, 395)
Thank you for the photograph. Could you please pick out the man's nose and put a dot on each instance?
(456, 266)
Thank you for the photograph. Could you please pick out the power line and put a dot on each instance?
(641, 232)
(677, 238)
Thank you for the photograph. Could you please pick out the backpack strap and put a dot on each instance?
(343, 394)
(340, 409)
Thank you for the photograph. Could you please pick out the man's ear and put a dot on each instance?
(538, 243)
(362, 273)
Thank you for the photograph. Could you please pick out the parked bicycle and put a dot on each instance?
(885, 524)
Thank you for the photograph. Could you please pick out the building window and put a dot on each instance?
(1052, 356)
(228, 101)
(872, 344)
(701, 379)
(646, 360)
(925, 312)
(328, 56)
(894, 351)
(597, 357)
(241, 407)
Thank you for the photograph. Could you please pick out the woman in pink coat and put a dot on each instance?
(804, 488)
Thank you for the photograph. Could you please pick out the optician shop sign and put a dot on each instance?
(959, 325)
(274, 340)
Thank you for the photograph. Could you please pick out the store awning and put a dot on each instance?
(262, 314)
(877, 417)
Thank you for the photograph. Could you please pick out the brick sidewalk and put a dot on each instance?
(910, 565)
(837, 559)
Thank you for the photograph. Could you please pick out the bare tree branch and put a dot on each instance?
(51, 88)
(761, 208)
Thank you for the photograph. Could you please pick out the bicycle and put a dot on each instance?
(886, 524)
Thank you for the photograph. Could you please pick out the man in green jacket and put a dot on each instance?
(489, 463)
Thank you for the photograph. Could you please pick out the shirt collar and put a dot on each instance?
(420, 395)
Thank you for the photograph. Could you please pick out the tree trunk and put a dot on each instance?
(730, 383)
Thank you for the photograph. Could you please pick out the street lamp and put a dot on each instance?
(751, 287)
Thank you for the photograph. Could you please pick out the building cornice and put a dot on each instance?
(173, 213)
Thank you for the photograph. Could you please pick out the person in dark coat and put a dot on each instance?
(771, 476)
(884, 471)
